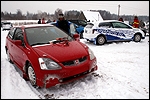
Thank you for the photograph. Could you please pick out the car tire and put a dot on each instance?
(31, 75)
(8, 57)
(137, 37)
(100, 40)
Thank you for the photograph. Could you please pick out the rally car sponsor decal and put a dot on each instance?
(116, 32)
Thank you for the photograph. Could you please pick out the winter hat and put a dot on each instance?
(61, 16)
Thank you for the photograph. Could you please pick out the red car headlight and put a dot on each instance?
(48, 64)
(91, 54)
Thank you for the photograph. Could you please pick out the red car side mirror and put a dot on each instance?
(18, 42)
(76, 36)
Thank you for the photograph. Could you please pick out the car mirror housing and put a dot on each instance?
(18, 42)
(76, 36)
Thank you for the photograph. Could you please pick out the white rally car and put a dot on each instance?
(110, 31)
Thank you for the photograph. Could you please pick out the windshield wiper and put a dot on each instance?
(60, 40)
(39, 43)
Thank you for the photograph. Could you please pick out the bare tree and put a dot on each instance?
(19, 14)
(72, 14)
(39, 16)
(57, 12)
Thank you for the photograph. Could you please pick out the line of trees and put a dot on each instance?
(72, 14)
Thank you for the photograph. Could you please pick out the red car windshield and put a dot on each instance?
(45, 34)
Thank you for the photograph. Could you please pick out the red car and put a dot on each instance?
(47, 56)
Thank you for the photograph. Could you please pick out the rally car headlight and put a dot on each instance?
(48, 64)
(92, 56)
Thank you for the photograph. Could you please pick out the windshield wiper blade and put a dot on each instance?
(55, 41)
(39, 43)
(59, 40)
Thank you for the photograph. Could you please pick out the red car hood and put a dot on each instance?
(61, 51)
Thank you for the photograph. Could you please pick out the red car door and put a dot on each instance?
(16, 49)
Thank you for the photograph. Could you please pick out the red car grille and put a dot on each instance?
(75, 62)
(73, 77)
(76, 76)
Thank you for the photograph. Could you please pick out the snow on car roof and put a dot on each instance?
(97, 22)
(108, 21)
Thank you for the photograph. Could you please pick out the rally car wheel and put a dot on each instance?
(32, 76)
(100, 40)
(137, 38)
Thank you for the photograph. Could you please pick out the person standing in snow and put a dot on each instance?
(121, 19)
(142, 24)
(43, 21)
(39, 21)
(63, 24)
(136, 22)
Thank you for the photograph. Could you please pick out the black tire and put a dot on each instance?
(100, 40)
(31, 75)
(8, 57)
(137, 37)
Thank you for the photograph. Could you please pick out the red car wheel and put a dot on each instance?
(32, 76)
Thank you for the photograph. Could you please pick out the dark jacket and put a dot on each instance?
(39, 22)
(64, 25)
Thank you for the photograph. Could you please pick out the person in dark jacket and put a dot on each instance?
(121, 19)
(142, 24)
(39, 21)
(63, 24)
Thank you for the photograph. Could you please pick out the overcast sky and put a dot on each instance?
(126, 7)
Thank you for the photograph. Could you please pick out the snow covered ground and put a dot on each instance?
(123, 73)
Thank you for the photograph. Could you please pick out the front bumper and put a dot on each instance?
(54, 81)
(66, 75)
